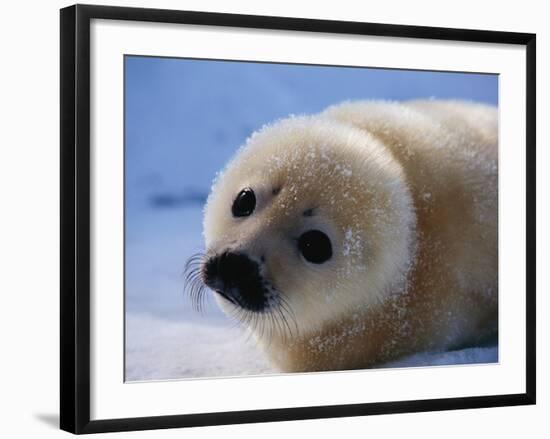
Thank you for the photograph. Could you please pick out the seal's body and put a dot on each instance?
(364, 233)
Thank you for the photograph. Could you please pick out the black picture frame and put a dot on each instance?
(75, 217)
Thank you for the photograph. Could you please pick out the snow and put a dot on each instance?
(184, 120)
(159, 349)
(477, 355)
(352, 243)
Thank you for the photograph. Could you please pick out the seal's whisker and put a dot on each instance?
(284, 325)
(287, 314)
(194, 285)
(271, 326)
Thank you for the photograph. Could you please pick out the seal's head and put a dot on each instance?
(310, 221)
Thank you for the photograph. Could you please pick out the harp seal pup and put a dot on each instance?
(350, 238)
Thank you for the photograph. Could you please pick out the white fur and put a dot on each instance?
(366, 168)
(318, 162)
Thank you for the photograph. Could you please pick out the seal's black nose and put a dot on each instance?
(237, 278)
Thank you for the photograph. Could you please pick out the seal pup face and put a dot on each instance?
(312, 220)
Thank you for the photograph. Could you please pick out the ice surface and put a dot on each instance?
(184, 121)
(166, 349)
(161, 349)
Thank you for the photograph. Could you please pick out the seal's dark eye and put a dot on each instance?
(245, 203)
(315, 246)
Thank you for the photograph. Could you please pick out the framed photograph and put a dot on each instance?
(268, 218)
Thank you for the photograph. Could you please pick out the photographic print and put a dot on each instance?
(314, 219)
(284, 218)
